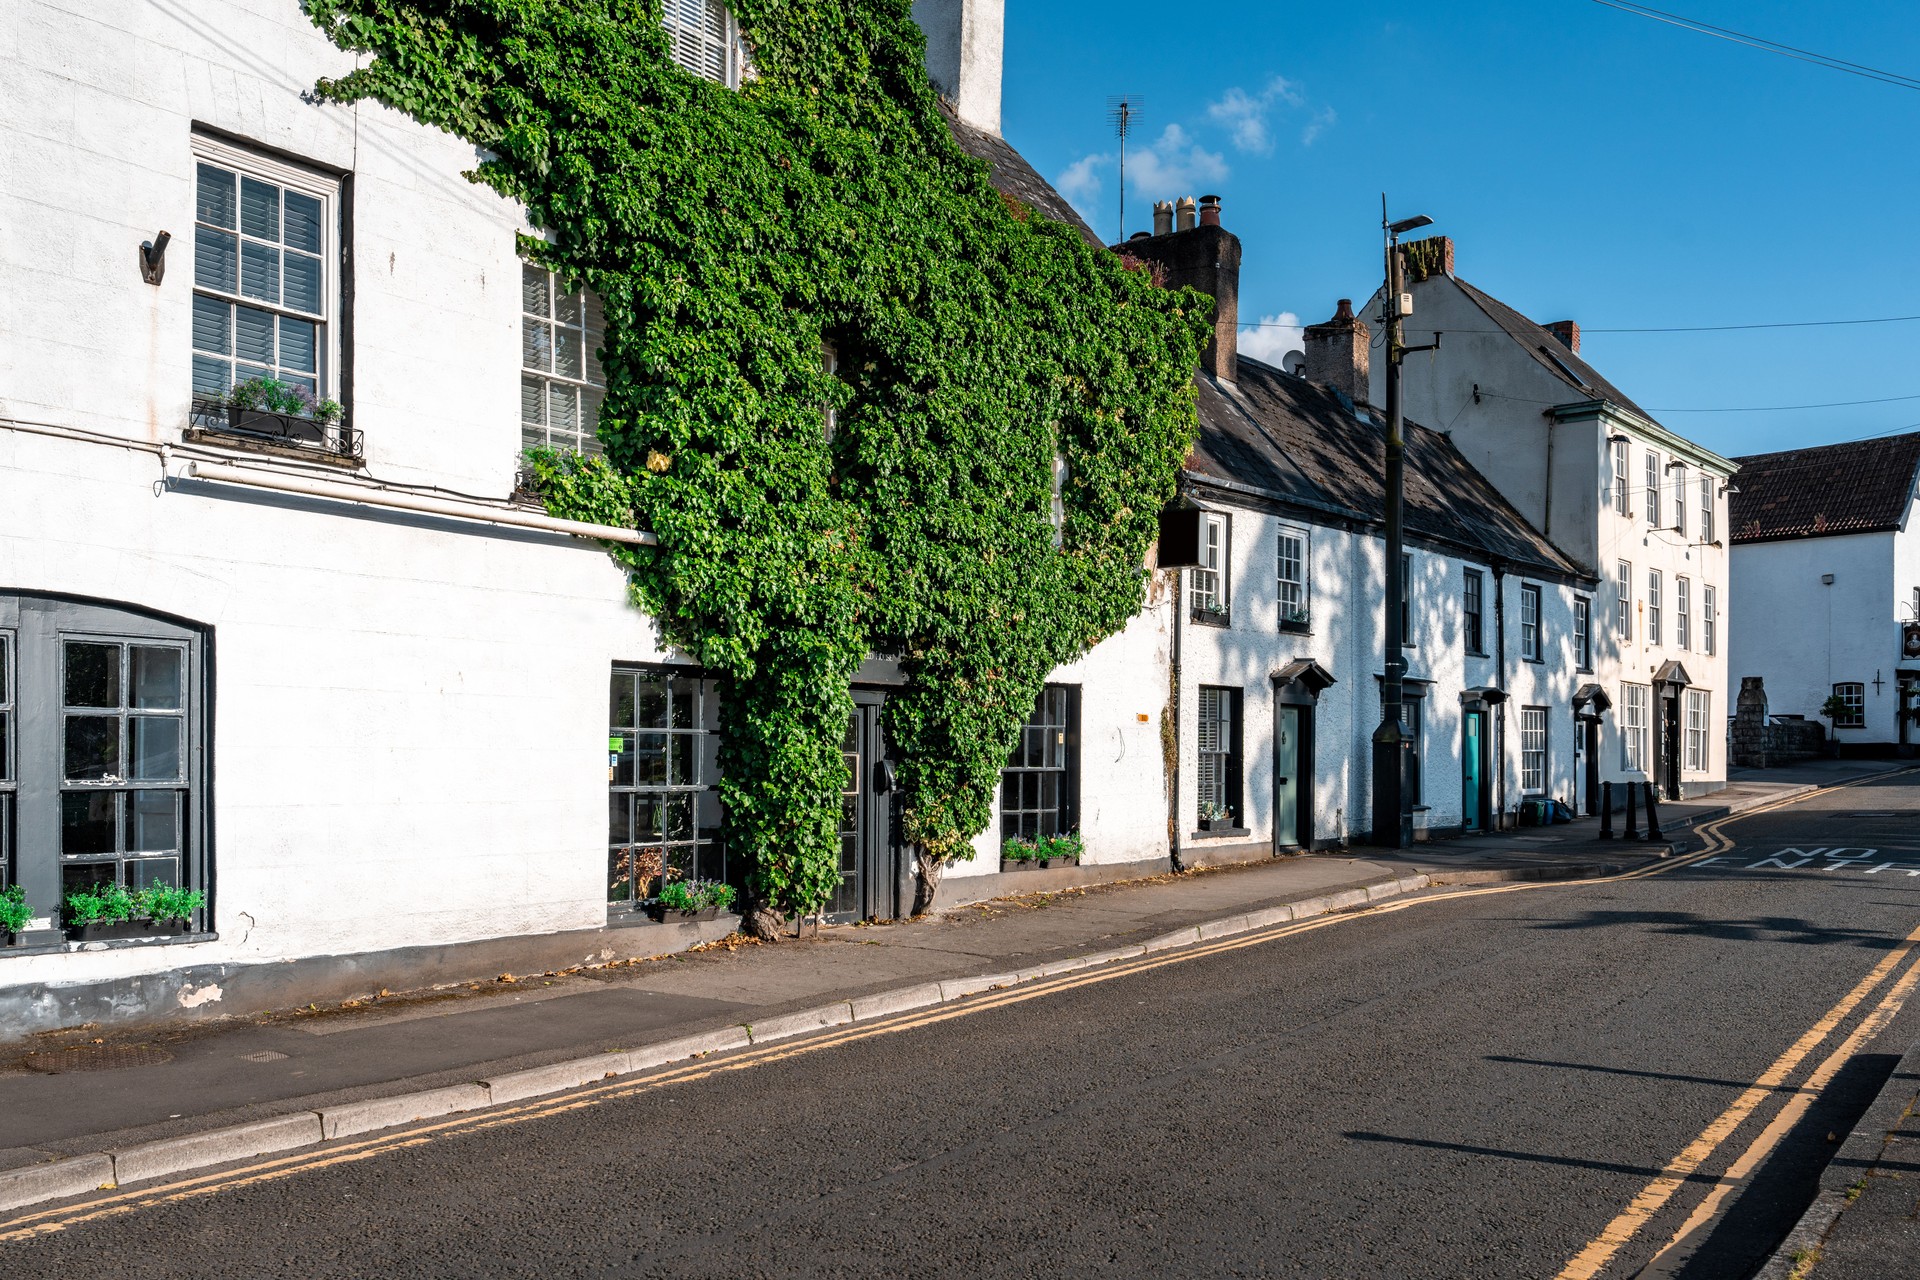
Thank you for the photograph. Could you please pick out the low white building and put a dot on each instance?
(1279, 644)
(1632, 503)
(1826, 566)
(338, 678)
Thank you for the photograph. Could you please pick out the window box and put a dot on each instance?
(127, 929)
(1211, 616)
(217, 423)
(666, 915)
(1222, 824)
(1039, 864)
(1298, 621)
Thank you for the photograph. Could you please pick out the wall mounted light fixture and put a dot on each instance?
(153, 258)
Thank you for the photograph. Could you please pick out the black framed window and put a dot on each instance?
(1530, 622)
(1583, 632)
(663, 765)
(1218, 740)
(1473, 609)
(103, 752)
(1040, 787)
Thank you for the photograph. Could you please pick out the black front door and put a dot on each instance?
(1670, 741)
(872, 869)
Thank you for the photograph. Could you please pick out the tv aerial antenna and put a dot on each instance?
(1123, 113)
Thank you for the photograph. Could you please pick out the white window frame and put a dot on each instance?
(1854, 694)
(1207, 582)
(1682, 613)
(1531, 632)
(1582, 633)
(1622, 459)
(318, 185)
(1654, 617)
(1680, 499)
(1706, 507)
(587, 391)
(1623, 600)
(1697, 707)
(1636, 706)
(1533, 750)
(1652, 495)
(1296, 592)
(701, 34)
(1709, 605)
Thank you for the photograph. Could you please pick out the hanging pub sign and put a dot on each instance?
(1910, 640)
(1183, 531)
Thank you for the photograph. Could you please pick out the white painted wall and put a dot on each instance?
(409, 713)
(1348, 586)
(1491, 396)
(1801, 636)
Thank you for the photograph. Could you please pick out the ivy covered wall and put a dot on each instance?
(733, 235)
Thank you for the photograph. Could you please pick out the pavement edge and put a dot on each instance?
(107, 1170)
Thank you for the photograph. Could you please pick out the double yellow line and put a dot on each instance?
(58, 1219)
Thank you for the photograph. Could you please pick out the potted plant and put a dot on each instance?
(1295, 619)
(1215, 816)
(14, 912)
(102, 912)
(282, 410)
(689, 900)
(1211, 613)
(1835, 709)
(1042, 851)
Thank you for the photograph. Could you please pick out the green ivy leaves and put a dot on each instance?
(734, 234)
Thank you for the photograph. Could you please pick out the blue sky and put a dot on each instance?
(1589, 164)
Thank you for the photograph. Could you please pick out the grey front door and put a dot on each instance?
(872, 868)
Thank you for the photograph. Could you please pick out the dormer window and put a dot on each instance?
(706, 40)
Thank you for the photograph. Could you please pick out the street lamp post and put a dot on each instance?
(1392, 812)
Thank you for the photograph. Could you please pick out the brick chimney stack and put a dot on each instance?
(1337, 353)
(1200, 254)
(1568, 332)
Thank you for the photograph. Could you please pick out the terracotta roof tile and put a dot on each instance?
(1861, 486)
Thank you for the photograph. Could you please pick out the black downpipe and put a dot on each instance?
(1500, 717)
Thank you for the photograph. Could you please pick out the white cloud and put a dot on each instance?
(1322, 121)
(1272, 338)
(1170, 166)
(1245, 114)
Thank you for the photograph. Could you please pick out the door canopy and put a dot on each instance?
(1303, 676)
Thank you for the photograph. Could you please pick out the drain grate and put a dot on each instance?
(96, 1057)
(265, 1055)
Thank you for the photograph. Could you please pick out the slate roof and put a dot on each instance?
(1013, 176)
(1297, 443)
(1862, 486)
(1550, 353)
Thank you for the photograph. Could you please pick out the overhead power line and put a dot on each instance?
(1784, 408)
(1894, 78)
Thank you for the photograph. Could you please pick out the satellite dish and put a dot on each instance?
(1293, 362)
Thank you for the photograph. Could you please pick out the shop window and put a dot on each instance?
(1039, 788)
(102, 751)
(663, 765)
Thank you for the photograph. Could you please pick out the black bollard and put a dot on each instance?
(1633, 815)
(1653, 818)
(1606, 811)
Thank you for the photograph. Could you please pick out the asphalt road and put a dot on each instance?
(1478, 1086)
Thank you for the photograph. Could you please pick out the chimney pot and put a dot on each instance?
(1183, 210)
(1204, 258)
(1568, 332)
(1163, 217)
(1337, 353)
(1209, 211)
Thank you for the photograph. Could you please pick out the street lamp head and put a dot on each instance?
(1414, 223)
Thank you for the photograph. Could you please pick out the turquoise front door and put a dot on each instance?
(1474, 819)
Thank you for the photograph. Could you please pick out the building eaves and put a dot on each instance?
(1858, 486)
